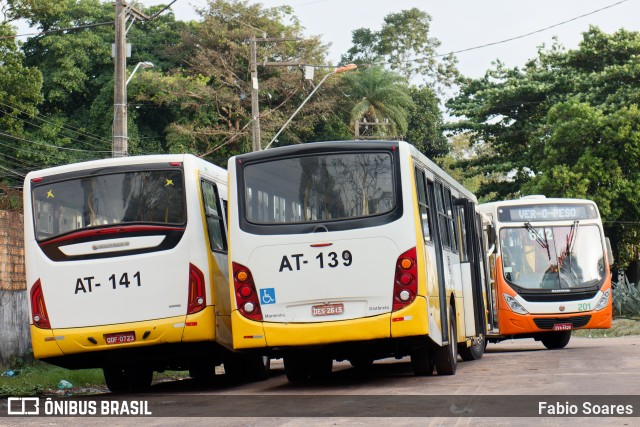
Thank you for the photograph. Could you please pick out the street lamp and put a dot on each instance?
(120, 133)
(335, 71)
(145, 64)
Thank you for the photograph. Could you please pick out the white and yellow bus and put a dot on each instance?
(126, 267)
(550, 266)
(354, 251)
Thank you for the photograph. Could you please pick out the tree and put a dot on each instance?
(379, 96)
(19, 99)
(425, 123)
(405, 45)
(566, 125)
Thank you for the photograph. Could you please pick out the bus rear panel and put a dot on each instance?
(117, 262)
(327, 254)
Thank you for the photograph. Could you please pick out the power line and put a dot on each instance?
(520, 36)
(79, 27)
(51, 145)
(67, 128)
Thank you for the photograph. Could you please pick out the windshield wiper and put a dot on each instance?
(544, 243)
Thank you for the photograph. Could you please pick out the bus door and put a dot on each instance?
(432, 193)
(472, 252)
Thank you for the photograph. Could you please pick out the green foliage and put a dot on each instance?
(405, 44)
(566, 125)
(425, 123)
(378, 96)
(37, 378)
(10, 199)
(626, 299)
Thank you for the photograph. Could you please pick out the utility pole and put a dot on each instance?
(255, 108)
(120, 137)
(120, 134)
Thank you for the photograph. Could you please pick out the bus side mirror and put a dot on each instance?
(609, 252)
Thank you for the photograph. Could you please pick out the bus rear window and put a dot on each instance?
(154, 197)
(324, 187)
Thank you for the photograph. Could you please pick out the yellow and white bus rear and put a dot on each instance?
(354, 251)
(125, 260)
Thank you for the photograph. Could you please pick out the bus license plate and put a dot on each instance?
(562, 327)
(327, 309)
(120, 338)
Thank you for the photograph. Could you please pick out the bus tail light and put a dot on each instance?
(197, 294)
(405, 284)
(38, 307)
(246, 295)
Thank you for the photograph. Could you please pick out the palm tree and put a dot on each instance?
(380, 96)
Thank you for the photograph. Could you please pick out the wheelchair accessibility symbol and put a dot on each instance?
(268, 296)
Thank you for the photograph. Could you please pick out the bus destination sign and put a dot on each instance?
(532, 213)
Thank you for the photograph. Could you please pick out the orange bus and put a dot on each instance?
(550, 269)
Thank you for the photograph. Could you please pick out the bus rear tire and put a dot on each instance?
(422, 361)
(446, 357)
(320, 367)
(247, 367)
(115, 379)
(555, 340)
(139, 378)
(296, 369)
(473, 352)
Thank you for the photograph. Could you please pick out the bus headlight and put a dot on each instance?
(604, 300)
(514, 305)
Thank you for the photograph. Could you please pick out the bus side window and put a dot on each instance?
(422, 204)
(213, 214)
(450, 222)
(442, 217)
(461, 232)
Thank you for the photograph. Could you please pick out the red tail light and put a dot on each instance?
(246, 295)
(197, 294)
(405, 284)
(38, 307)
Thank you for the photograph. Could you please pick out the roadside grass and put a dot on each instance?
(620, 327)
(35, 378)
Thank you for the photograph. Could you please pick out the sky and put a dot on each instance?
(458, 24)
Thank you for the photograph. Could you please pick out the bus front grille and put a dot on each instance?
(548, 322)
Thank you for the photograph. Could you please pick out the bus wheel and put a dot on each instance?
(203, 372)
(139, 378)
(361, 362)
(257, 367)
(446, 357)
(555, 340)
(115, 379)
(296, 369)
(422, 361)
(320, 367)
(247, 367)
(475, 351)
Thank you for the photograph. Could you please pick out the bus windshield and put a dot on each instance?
(553, 257)
(154, 196)
(324, 187)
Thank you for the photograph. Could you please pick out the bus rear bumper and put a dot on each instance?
(59, 342)
(409, 321)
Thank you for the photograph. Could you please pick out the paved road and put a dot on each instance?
(512, 371)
